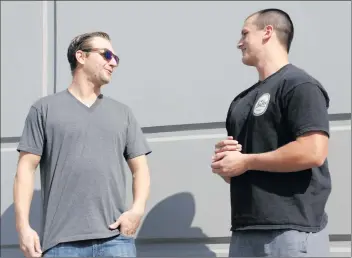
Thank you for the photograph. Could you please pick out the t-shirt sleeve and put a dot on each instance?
(33, 138)
(136, 143)
(307, 109)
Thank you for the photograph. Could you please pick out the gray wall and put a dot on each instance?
(179, 65)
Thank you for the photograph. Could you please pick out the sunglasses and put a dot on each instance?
(107, 54)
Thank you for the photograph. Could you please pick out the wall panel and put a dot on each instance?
(21, 63)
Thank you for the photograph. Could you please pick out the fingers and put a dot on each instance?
(237, 147)
(227, 179)
(36, 254)
(29, 242)
(115, 225)
(37, 246)
(130, 221)
(228, 145)
(128, 232)
(128, 229)
(225, 143)
(217, 157)
(221, 172)
(127, 224)
(29, 251)
(216, 170)
(27, 246)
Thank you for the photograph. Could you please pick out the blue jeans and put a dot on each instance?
(118, 246)
(279, 243)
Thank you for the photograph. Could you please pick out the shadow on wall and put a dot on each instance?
(9, 237)
(171, 218)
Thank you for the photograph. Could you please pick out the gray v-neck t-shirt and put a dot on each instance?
(83, 161)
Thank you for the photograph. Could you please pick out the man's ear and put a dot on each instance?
(268, 32)
(80, 56)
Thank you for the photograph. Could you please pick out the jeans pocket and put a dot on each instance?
(52, 252)
(124, 236)
(118, 246)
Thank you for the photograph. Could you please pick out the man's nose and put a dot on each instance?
(113, 62)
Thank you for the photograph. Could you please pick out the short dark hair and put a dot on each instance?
(281, 22)
(82, 42)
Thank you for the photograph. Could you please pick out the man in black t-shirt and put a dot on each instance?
(280, 180)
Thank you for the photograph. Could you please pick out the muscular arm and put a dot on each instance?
(305, 109)
(23, 187)
(141, 182)
(309, 150)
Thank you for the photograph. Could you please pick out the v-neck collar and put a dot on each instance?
(84, 106)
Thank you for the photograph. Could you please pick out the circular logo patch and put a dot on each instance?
(261, 105)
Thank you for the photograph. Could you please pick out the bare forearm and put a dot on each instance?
(289, 158)
(141, 186)
(23, 193)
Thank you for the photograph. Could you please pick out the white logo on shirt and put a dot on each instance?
(261, 105)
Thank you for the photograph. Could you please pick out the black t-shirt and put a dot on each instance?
(263, 118)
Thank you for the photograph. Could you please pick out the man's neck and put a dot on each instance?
(84, 90)
(271, 65)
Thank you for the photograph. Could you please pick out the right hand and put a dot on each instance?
(227, 145)
(29, 242)
(227, 179)
(128, 222)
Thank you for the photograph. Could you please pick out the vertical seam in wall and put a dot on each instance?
(55, 45)
(45, 49)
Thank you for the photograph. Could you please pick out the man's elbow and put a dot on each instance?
(318, 158)
(318, 161)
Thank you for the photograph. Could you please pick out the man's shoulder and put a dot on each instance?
(295, 76)
(297, 79)
(48, 100)
(116, 104)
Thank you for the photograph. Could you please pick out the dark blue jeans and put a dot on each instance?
(119, 246)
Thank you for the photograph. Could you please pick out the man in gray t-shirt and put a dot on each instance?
(81, 139)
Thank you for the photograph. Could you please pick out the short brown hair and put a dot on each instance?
(281, 22)
(82, 42)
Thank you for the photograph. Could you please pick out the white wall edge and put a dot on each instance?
(222, 136)
(45, 49)
(199, 137)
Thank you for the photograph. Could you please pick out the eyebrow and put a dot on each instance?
(105, 48)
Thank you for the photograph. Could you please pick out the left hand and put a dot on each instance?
(228, 145)
(128, 222)
(229, 163)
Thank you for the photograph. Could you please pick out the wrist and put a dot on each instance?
(138, 208)
(21, 225)
(249, 161)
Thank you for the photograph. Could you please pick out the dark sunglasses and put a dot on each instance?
(107, 54)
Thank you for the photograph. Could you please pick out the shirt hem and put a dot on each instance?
(79, 238)
(311, 129)
(314, 229)
(137, 154)
(30, 150)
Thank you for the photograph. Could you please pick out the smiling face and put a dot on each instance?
(94, 62)
(251, 43)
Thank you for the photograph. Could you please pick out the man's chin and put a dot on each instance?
(105, 81)
(247, 62)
